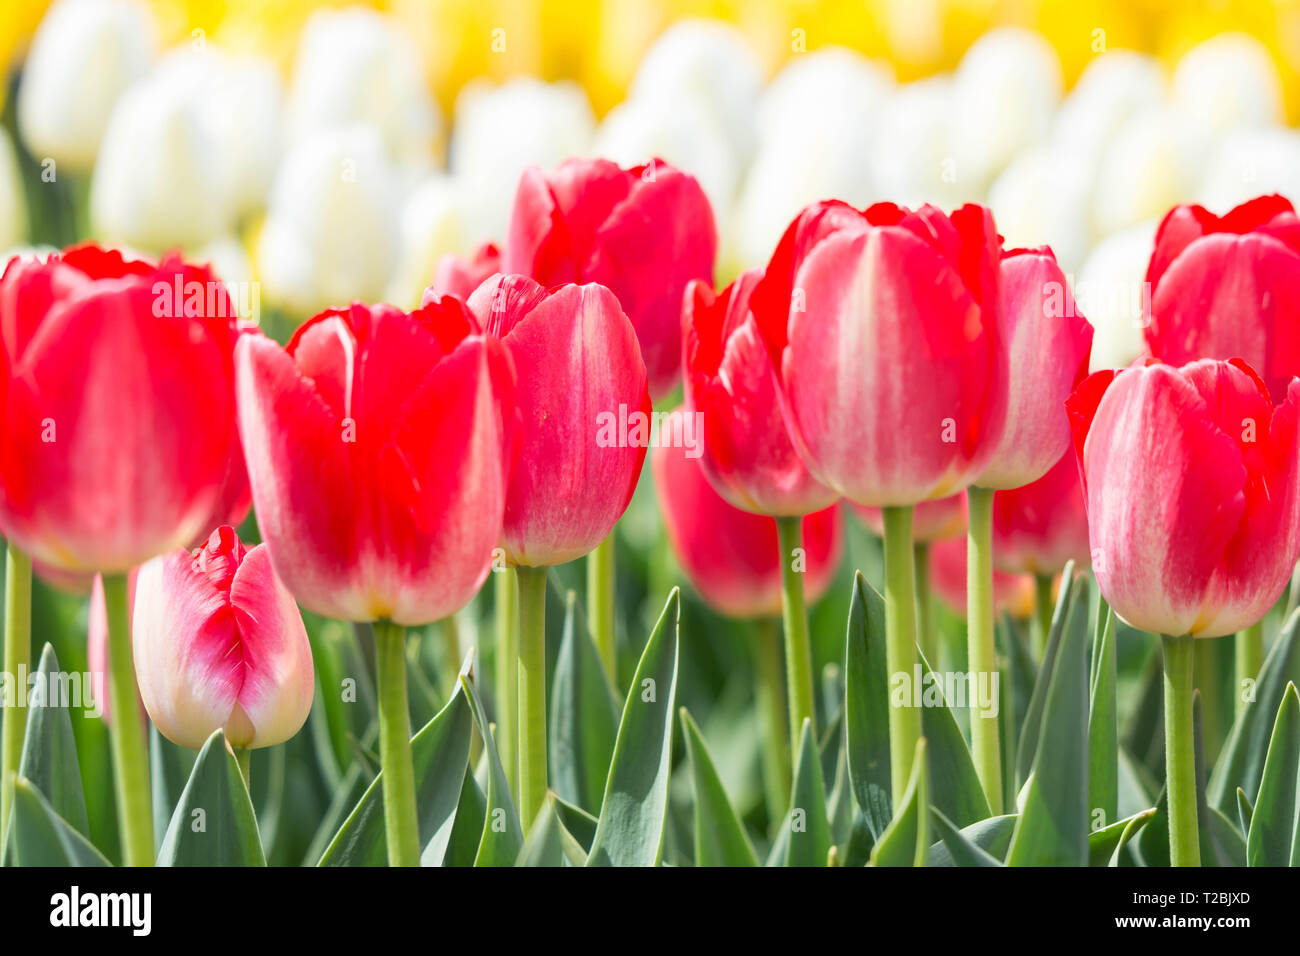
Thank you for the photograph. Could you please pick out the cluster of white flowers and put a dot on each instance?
(189, 147)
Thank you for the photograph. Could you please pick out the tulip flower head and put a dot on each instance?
(219, 644)
(748, 454)
(459, 276)
(1192, 488)
(117, 407)
(642, 232)
(1039, 528)
(576, 360)
(1013, 593)
(883, 327)
(1228, 286)
(932, 520)
(378, 447)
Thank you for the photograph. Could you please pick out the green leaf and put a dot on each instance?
(1241, 760)
(1244, 811)
(906, 841)
(954, 784)
(993, 836)
(866, 705)
(169, 768)
(807, 826)
(548, 842)
(214, 823)
(963, 852)
(1103, 726)
(634, 810)
(1027, 751)
(1274, 838)
(720, 838)
(584, 715)
(467, 825)
(49, 757)
(440, 754)
(38, 836)
(502, 834)
(1135, 823)
(1104, 843)
(1053, 825)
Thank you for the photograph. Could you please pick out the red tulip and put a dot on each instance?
(459, 276)
(378, 447)
(1013, 593)
(578, 366)
(1048, 344)
(1228, 287)
(220, 644)
(731, 384)
(1192, 488)
(117, 406)
(1040, 527)
(931, 520)
(732, 556)
(883, 325)
(643, 233)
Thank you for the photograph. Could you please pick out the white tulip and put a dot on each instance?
(817, 125)
(432, 223)
(84, 55)
(13, 204)
(1005, 92)
(1112, 294)
(682, 133)
(912, 156)
(331, 229)
(1043, 198)
(1250, 163)
(158, 182)
(501, 130)
(1148, 167)
(229, 260)
(357, 66)
(1115, 86)
(707, 63)
(1228, 81)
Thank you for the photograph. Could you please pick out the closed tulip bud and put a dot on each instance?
(1228, 287)
(83, 57)
(912, 158)
(432, 225)
(459, 277)
(733, 557)
(220, 645)
(1112, 291)
(643, 233)
(1192, 488)
(106, 362)
(883, 325)
(733, 388)
(1111, 90)
(931, 520)
(1044, 198)
(1047, 343)
(157, 184)
(357, 67)
(1229, 80)
(1149, 165)
(1040, 527)
(378, 446)
(579, 373)
(1251, 162)
(1013, 593)
(331, 233)
(502, 130)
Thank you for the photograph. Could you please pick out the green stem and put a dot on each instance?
(1180, 751)
(1044, 608)
(17, 662)
(927, 639)
(986, 749)
(900, 645)
(1250, 657)
(130, 750)
(532, 692)
(398, 772)
(798, 644)
(771, 705)
(600, 605)
(244, 757)
(507, 675)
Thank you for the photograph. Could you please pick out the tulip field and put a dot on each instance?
(431, 437)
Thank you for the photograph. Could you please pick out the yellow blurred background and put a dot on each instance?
(600, 42)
